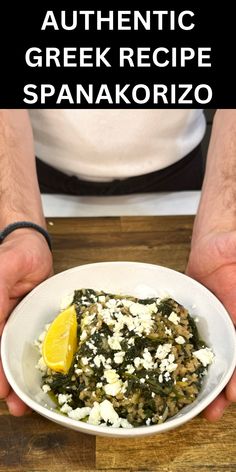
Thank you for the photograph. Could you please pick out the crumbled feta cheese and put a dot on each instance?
(88, 319)
(114, 342)
(46, 388)
(160, 378)
(168, 364)
(95, 414)
(111, 303)
(126, 303)
(153, 307)
(171, 358)
(124, 387)
(78, 371)
(148, 421)
(171, 367)
(147, 360)
(106, 314)
(119, 357)
(180, 340)
(168, 331)
(142, 317)
(167, 376)
(102, 298)
(113, 388)
(121, 422)
(174, 318)
(111, 376)
(108, 413)
(130, 369)
(125, 424)
(114, 384)
(83, 335)
(64, 398)
(128, 321)
(99, 359)
(137, 362)
(142, 381)
(99, 385)
(65, 408)
(79, 413)
(205, 356)
(131, 342)
(184, 379)
(84, 360)
(153, 394)
(92, 347)
(162, 351)
(41, 365)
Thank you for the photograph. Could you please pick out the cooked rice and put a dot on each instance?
(138, 362)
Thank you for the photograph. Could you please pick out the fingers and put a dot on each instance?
(231, 389)
(4, 385)
(216, 409)
(15, 405)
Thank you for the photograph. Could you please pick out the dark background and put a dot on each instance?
(20, 28)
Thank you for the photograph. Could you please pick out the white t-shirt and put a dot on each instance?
(101, 145)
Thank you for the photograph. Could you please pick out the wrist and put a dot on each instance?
(8, 219)
(24, 228)
(200, 235)
(22, 233)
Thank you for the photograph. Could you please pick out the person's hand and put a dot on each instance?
(25, 261)
(212, 262)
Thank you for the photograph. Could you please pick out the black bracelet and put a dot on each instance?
(25, 224)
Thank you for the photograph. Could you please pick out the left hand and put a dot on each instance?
(25, 261)
(212, 262)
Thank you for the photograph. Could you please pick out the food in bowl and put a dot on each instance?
(136, 361)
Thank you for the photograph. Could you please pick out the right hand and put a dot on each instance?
(25, 261)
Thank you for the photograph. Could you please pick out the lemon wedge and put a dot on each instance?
(60, 342)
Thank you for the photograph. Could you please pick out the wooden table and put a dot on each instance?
(34, 444)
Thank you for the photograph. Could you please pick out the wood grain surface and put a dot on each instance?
(34, 444)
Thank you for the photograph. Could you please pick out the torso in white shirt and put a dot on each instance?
(102, 145)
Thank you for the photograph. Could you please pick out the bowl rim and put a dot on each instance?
(83, 427)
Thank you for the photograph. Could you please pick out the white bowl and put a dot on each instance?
(19, 356)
